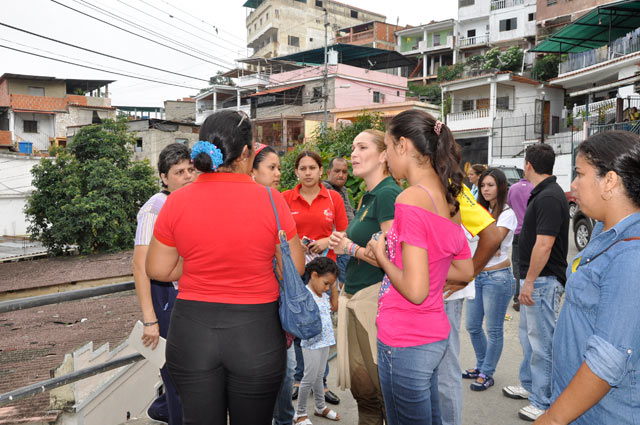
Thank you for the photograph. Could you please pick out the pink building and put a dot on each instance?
(292, 105)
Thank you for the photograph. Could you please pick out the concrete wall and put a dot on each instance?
(51, 88)
(15, 176)
(79, 116)
(46, 129)
(525, 28)
(474, 11)
(180, 111)
(153, 141)
(575, 8)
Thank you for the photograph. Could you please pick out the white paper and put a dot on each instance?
(154, 356)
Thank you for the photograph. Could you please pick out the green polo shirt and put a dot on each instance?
(377, 207)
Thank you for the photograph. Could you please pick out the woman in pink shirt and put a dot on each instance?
(424, 247)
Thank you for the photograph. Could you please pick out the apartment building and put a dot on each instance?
(280, 27)
(483, 24)
(431, 46)
(36, 110)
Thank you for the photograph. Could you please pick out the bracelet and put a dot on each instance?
(150, 323)
(353, 248)
(346, 252)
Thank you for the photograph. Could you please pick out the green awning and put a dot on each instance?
(253, 4)
(349, 54)
(597, 28)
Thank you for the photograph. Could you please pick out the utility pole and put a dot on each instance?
(325, 82)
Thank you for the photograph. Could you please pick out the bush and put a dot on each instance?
(90, 194)
(334, 142)
(451, 72)
(431, 91)
(511, 59)
(546, 67)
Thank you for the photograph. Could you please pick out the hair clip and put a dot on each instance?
(257, 147)
(437, 127)
(210, 149)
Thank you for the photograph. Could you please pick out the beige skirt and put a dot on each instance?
(364, 305)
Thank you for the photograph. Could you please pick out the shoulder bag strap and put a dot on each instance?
(282, 237)
(635, 238)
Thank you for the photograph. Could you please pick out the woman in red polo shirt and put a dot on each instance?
(225, 347)
(318, 211)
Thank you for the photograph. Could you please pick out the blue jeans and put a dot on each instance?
(283, 411)
(299, 372)
(342, 265)
(493, 293)
(409, 382)
(449, 372)
(537, 325)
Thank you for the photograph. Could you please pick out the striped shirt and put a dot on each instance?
(147, 218)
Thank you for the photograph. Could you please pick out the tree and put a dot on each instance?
(334, 142)
(491, 59)
(511, 59)
(546, 67)
(431, 91)
(90, 194)
(451, 72)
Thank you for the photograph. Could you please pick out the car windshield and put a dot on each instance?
(511, 174)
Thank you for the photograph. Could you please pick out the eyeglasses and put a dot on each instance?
(244, 115)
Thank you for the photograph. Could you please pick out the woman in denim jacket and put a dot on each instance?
(596, 347)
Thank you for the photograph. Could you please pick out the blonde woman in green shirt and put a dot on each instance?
(357, 335)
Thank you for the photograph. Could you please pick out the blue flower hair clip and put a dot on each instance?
(210, 149)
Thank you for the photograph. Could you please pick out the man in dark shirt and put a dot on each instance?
(543, 246)
(337, 175)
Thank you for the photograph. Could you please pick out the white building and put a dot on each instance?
(496, 115)
(15, 189)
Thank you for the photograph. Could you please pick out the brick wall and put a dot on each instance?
(38, 103)
(4, 94)
(5, 138)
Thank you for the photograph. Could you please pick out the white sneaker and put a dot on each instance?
(515, 391)
(530, 413)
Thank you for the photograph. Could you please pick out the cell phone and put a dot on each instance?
(306, 241)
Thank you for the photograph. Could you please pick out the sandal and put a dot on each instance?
(301, 420)
(327, 413)
(482, 383)
(470, 373)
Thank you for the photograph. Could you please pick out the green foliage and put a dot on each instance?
(451, 72)
(511, 59)
(90, 194)
(475, 62)
(430, 91)
(218, 79)
(334, 142)
(491, 59)
(546, 67)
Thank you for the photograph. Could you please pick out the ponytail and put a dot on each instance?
(434, 140)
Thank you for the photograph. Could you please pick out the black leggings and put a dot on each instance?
(226, 358)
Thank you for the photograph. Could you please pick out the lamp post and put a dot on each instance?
(542, 119)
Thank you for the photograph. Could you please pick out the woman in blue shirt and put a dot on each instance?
(596, 346)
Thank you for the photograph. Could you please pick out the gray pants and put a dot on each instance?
(449, 371)
(315, 361)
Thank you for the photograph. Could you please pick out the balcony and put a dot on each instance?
(252, 81)
(503, 4)
(618, 48)
(468, 115)
(358, 37)
(475, 119)
(468, 42)
(202, 114)
(421, 46)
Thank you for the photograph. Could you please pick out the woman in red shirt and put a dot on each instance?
(225, 347)
(318, 211)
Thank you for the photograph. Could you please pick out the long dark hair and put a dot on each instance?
(501, 184)
(311, 154)
(617, 151)
(442, 150)
(230, 131)
(261, 156)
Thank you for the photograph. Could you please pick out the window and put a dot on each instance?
(294, 41)
(532, 17)
(266, 16)
(260, 21)
(255, 26)
(508, 24)
(138, 147)
(377, 97)
(30, 126)
(471, 33)
(551, 2)
(467, 105)
(354, 14)
(318, 3)
(463, 3)
(436, 39)
(183, 142)
(502, 102)
(317, 94)
(36, 91)
(277, 13)
(310, 38)
(398, 93)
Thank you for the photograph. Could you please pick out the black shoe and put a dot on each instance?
(294, 394)
(330, 397)
(516, 306)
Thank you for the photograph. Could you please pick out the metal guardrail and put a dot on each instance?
(49, 384)
(40, 300)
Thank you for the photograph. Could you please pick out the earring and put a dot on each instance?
(610, 195)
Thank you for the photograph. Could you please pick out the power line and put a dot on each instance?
(98, 69)
(100, 53)
(139, 35)
(183, 21)
(147, 30)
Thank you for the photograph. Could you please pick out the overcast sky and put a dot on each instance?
(190, 22)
